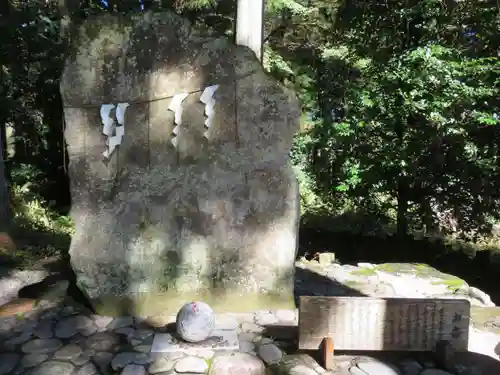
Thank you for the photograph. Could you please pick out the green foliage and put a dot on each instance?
(400, 111)
(34, 212)
(39, 231)
(403, 98)
(195, 4)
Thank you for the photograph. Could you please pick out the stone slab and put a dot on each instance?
(365, 323)
(226, 322)
(159, 163)
(219, 340)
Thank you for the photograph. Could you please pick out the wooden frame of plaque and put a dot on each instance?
(390, 324)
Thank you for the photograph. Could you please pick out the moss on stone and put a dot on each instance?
(105, 28)
(112, 306)
(353, 284)
(395, 268)
(170, 270)
(452, 283)
(417, 269)
(364, 271)
(169, 303)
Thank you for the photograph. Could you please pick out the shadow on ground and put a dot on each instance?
(309, 283)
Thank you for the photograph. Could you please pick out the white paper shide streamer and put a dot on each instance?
(114, 133)
(176, 107)
(113, 118)
(207, 98)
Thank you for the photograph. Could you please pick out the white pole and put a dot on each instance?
(250, 25)
(5, 212)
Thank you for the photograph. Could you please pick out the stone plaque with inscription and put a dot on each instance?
(182, 187)
(395, 324)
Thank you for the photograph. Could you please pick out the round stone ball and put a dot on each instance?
(195, 321)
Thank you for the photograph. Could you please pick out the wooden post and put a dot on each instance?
(328, 352)
(250, 25)
(444, 354)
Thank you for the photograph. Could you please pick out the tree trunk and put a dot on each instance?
(5, 208)
(403, 183)
(250, 25)
(402, 222)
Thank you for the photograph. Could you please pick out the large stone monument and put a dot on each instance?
(181, 184)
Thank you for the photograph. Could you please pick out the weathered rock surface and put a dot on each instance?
(198, 201)
(392, 280)
(11, 281)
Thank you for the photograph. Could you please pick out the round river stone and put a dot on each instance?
(195, 321)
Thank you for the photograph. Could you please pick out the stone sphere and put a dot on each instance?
(195, 321)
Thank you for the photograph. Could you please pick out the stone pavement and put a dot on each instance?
(65, 340)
